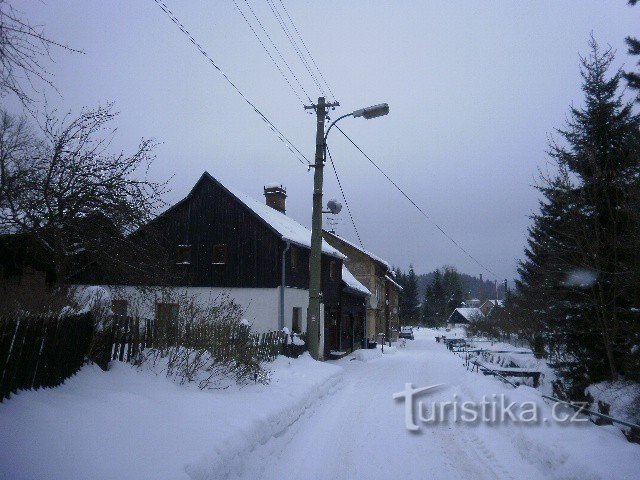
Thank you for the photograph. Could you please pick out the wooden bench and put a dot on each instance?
(510, 372)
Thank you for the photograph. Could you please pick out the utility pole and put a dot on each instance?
(315, 260)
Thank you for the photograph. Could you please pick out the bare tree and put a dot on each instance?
(65, 189)
(22, 48)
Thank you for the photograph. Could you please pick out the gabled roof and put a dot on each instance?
(353, 283)
(372, 256)
(469, 314)
(285, 227)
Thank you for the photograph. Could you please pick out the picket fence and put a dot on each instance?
(42, 351)
(127, 336)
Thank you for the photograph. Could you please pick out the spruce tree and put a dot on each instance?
(578, 275)
(633, 78)
(410, 311)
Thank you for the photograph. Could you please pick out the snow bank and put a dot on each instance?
(91, 426)
(623, 397)
(365, 355)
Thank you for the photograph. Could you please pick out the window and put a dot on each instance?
(119, 307)
(295, 257)
(333, 270)
(183, 255)
(219, 256)
(296, 320)
(378, 292)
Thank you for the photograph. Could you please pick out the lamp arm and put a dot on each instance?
(333, 123)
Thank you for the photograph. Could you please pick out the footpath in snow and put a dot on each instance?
(314, 421)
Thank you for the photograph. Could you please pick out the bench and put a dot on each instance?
(510, 372)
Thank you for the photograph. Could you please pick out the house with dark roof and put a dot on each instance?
(224, 243)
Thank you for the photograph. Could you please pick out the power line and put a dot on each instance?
(281, 136)
(451, 239)
(276, 13)
(269, 53)
(307, 50)
(344, 197)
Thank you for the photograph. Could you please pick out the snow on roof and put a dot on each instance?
(493, 303)
(360, 249)
(388, 277)
(285, 226)
(352, 282)
(469, 314)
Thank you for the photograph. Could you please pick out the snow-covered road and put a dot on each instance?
(359, 431)
(313, 421)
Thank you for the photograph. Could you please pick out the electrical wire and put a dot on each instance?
(281, 136)
(286, 78)
(344, 197)
(307, 50)
(449, 237)
(285, 29)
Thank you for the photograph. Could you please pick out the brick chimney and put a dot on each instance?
(276, 197)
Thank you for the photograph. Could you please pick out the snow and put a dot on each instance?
(352, 282)
(287, 227)
(130, 424)
(389, 279)
(93, 297)
(335, 419)
(623, 397)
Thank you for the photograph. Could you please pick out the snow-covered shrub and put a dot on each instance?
(205, 343)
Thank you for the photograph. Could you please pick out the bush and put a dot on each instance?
(205, 344)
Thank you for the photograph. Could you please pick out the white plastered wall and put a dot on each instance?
(261, 306)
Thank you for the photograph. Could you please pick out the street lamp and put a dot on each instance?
(315, 259)
(374, 111)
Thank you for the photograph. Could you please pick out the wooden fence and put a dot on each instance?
(128, 336)
(42, 351)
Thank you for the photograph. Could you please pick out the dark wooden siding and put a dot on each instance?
(211, 216)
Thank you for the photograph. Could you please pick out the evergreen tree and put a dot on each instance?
(578, 276)
(436, 301)
(633, 78)
(452, 285)
(409, 310)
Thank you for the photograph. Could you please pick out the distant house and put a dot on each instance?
(489, 305)
(465, 315)
(472, 303)
(223, 242)
(377, 276)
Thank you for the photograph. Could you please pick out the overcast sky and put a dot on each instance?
(475, 89)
